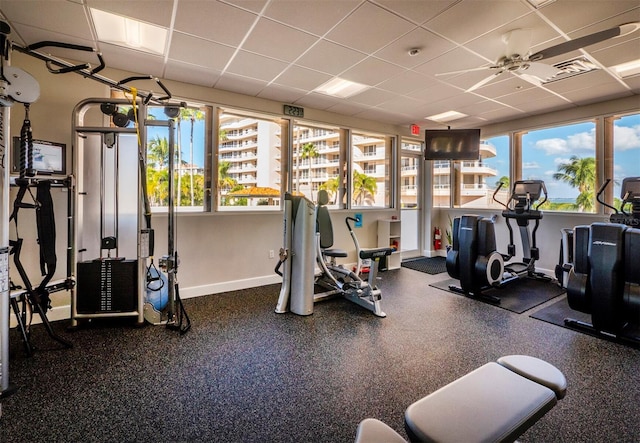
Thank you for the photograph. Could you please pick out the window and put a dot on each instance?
(249, 161)
(370, 170)
(479, 179)
(411, 157)
(316, 161)
(626, 151)
(441, 183)
(565, 158)
(191, 150)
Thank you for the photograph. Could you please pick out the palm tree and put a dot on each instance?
(192, 115)
(308, 150)
(158, 152)
(225, 181)
(364, 187)
(331, 186)
(505, 182)
(580, 173)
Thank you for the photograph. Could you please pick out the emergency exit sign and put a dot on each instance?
(415, 130)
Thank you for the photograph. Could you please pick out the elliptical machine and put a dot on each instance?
(522, 208)
(473, 258)
(604, 279)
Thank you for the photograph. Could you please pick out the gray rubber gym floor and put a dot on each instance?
(246, 374)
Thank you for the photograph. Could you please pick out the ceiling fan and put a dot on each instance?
(518, 59)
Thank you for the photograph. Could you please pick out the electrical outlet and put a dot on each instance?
(272, 253)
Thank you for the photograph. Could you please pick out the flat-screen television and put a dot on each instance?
(49, 158)
(452, 144)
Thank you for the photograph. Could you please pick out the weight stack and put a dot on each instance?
(105, 286)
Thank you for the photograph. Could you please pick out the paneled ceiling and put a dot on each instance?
(283, 49)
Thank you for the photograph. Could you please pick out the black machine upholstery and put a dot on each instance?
(473, 258)
(325, 228)
(604, 278)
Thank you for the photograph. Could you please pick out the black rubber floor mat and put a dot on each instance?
(518, 296)
(428, 265)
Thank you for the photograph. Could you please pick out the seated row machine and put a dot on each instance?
(497, 402)
(473, 258)
(604, 280)
(309, 242)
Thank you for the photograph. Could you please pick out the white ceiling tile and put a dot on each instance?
(66, 18)
(302, 78)
(469, 19)
(282, 94)
(370, 40)
(31, 35)
(405, 83)
(454, 60)
(346, 108)
(564, 14)
(214, 21)
(372, 97)
(593, 93)
(196, 51)
(369, 28)
(240, 84)
(244, 63)
(318, 101)
(330, 57)
(430, 46)
(278, 41)
(188, 73)
(416, 11)
(371, 71)
(316, 17)
(250, 5)
(122, 58)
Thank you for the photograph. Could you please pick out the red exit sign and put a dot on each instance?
(415, 130)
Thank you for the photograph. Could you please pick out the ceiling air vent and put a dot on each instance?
(575, 66)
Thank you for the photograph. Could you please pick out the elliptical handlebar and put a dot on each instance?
(599, 196)
(544, 191)
(500, 185)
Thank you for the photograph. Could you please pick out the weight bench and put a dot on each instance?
(497, 402)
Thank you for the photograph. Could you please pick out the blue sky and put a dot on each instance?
(198, 136)
(543, 150)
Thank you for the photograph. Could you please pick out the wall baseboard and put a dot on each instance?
(63, 312)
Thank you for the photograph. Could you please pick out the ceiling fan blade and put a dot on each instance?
(462, 71)
(585, 41)
(484, 81)
(541, 70)
(518, 43)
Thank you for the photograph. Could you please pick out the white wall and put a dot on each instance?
(218, 251)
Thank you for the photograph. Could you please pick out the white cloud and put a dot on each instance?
(550, 173)
(626, 137)
(560, 160)
(552, 146)
(582, 141)
(530, 165)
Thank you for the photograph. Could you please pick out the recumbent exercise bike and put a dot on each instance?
(473, 258)
(604, 278)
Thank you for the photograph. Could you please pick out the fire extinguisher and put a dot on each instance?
(437, 238)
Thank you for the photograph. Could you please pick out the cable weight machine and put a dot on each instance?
(12, 90)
